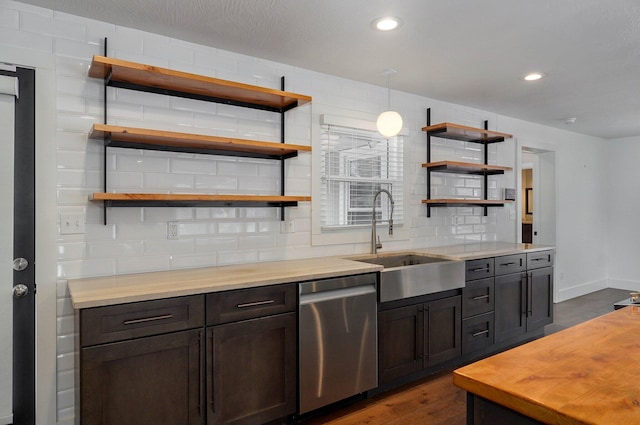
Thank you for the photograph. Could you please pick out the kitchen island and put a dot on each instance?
(582, 375)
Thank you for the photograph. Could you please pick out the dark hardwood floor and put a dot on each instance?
(435, 400)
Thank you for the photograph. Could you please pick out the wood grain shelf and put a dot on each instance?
(465, 168)
(452, 131)
(141, 138)
(195, 200)
(131, 75)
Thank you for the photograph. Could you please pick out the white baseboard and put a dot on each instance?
(582, 289)
(629, 285)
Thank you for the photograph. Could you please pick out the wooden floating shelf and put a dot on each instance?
(141, 138)
(465, 168)
(448, 130)
(194, 199)
(457, 201)
(131, 75)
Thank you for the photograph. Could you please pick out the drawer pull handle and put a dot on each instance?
(507, 264)
(540, 259)
(254, 304)
(147, 319)
(475, 334)
(480, 297)
(481, 269)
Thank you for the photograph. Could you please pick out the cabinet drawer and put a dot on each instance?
(477, 297)
(536, 260)
(478, 269)
(243, 304)
(133, 320)
(477, 333)
(510, 264)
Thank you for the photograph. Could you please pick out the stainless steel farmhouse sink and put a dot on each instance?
(409, 275)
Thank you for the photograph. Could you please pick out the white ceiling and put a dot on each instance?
(468, 52)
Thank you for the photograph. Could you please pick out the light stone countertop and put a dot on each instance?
(109, 290)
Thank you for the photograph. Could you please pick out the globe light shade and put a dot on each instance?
(389, 123)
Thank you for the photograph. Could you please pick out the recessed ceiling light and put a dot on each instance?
(534, 76)
(387, 23)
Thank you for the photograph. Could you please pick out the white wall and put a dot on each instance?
(623, 204)
(134, 240)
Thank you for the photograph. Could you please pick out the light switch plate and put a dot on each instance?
(72, 224)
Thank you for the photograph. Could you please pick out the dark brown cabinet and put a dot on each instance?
(224, 358)
(251, 355)
(146, 372)
(251, 370)
(417, 337)
(524, 301)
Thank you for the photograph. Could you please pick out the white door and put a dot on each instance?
(7, 112)
(544, 212)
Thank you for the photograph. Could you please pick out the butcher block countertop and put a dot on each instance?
(585, 374)
(118, 289)
(101, 291)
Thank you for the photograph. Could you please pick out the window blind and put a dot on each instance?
(355, 165)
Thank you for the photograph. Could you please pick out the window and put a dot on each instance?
(355, 165)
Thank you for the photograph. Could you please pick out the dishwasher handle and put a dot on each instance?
(336, 294)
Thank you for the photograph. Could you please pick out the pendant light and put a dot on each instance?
(389, 122)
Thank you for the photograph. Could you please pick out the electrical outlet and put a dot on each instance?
(72, 224)
(172, 230)
(287, 226)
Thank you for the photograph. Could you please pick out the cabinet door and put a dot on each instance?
(152, 380)
(400, 342)
(540, 299)
(442, 324)
(510, 306)
(251, 370)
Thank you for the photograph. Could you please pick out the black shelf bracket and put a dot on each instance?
(428, 160)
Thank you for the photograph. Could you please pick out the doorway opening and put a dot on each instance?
(538, 196)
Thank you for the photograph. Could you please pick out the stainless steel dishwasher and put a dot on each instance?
(337, 336)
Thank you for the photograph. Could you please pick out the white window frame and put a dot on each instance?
(361, 143)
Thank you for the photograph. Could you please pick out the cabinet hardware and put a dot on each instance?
(540, 259)
(147, 319)
(200, 379)
(480, 297)
(530, 294)
(508, 264)
(256, 303)
(475, 334)
(481, 269)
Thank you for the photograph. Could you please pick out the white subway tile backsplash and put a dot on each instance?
(126, 265)
(256, 241)
(168, 182)
(216, 243)
(86, 268)
(237, 257)
(46, 26)
(72, 251)
(113, 249)
(193, 260)
(162, 215)
(182, 247)
(24, 40)
(204, 164)
(217, 184)
(161, 47)
(10, 19)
